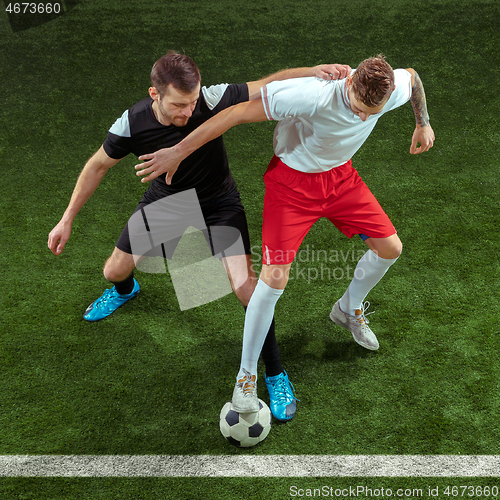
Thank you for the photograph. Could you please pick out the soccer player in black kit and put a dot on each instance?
(176, 105)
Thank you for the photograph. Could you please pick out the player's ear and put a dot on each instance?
(154, 94)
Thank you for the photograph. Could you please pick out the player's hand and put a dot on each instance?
(332, 71)
(423, 136)
(164, 161)
(59, 236)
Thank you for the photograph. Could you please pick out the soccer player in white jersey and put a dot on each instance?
(321, 125)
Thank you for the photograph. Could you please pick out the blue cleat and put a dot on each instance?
(108, 303)
(283, 402)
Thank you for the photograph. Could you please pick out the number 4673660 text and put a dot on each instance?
(33, 8)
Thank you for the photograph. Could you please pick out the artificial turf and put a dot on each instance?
(151, 379)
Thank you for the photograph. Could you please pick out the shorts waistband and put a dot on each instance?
(276, 161)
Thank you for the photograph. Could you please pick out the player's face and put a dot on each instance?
(360, 109)
(175, 107)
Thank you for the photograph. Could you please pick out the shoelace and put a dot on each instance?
(281, 392)
(105, 297)
(247, 383)
(362, 317)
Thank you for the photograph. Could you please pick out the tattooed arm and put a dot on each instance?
(423, 134)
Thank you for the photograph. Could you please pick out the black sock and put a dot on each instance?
(270, 352)
(126, 286)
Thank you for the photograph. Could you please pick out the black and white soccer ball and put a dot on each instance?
(245, 429)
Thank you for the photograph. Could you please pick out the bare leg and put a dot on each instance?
(386, 248)
(241, 275)
(119, 266)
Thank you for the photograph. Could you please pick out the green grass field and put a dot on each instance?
(151, 379)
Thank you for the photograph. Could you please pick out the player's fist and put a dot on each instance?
(332, 71)
(423, 136)
(59, 236)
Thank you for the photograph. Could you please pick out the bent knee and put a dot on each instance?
(397, 249)
(116, 270)
(113, 275)
(393, 251)
(387, 248)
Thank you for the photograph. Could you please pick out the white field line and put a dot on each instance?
(253, 466)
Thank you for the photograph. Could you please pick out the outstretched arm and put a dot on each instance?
(90, 177)
(323, 71)
(423, 134)
(166, 161)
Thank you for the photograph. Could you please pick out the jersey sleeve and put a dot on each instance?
(219, 97)
(402, 93)
(118, 143)
(290, 98)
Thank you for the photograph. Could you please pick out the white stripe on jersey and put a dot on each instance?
(214, 94)
(121, 126)
(265, 100)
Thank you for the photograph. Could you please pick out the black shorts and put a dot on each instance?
(155, 229)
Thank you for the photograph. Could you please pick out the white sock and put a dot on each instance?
(369, 271)
(258, 319)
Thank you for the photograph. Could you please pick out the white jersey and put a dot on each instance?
(317, 129)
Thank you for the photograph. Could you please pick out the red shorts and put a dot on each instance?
(295, 200)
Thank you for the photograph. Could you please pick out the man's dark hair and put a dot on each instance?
(177, 70)
(373, 81)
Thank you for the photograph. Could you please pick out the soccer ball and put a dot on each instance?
(245, 429)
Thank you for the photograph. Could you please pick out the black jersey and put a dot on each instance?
(207, 170)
